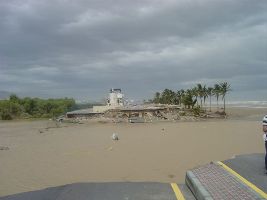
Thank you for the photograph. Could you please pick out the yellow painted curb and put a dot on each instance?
(245, 181)
(177, 191)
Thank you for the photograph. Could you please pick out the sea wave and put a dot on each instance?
(248, 104)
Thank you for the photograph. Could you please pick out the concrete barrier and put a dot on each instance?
(196, 187)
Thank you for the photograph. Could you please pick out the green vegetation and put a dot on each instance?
(194, 98)
(21, 108)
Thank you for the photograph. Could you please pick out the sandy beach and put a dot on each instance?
(42, 155)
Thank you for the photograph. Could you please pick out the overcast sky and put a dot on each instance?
(82, 48)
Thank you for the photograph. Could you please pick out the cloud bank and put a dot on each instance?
(82, 48)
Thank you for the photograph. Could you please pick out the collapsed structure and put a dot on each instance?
(117, 108)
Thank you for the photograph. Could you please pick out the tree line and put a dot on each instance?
(196, 96)
(27, 107)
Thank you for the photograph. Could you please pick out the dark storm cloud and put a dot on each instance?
(82, 48)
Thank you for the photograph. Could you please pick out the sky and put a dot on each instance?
(82, 48)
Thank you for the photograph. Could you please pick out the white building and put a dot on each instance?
(115, 100)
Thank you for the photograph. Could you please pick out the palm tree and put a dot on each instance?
(188, 100)
(168, 97)
(224, 88)
(205, 94)
(200, 92)
(217, 92)
(183, 92)
(194, 92)
(173, 98)
(157, 97)
(165, 96)
(179, 95)
(210, 93)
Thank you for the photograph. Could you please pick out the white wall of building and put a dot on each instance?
(115, 100)
(115, 97)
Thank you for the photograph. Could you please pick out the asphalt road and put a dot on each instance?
(102, 191)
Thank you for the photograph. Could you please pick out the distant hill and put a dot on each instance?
(4, 94)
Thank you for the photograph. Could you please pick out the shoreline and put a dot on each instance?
(232, 112)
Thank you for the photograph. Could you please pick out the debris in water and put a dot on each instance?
(2, 148)
(115, 136)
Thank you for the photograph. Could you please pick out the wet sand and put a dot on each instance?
(42, 155)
